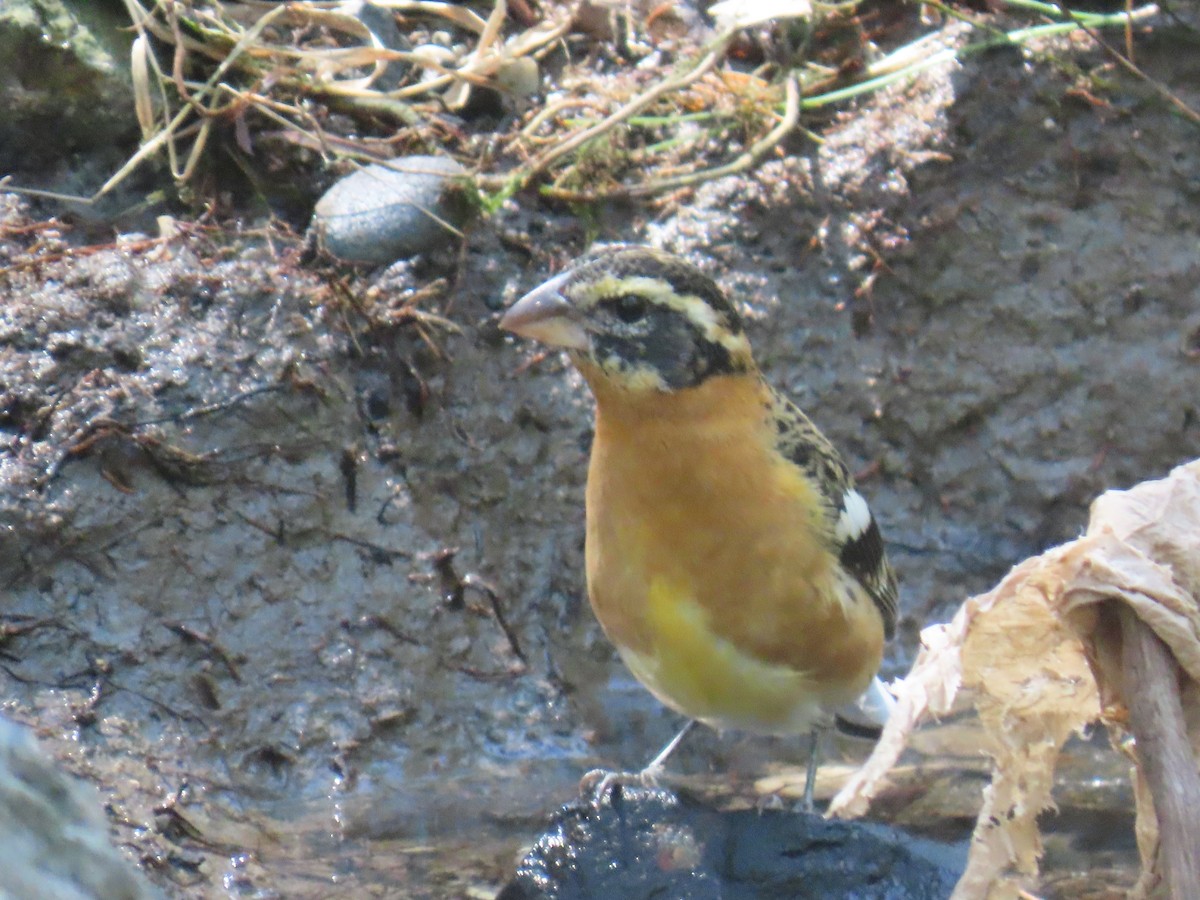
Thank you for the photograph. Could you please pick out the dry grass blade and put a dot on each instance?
(706, 64)
(584, 144)
(457, 15)
(743, 163)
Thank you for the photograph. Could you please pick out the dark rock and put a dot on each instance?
(641, 843)
(66, 87)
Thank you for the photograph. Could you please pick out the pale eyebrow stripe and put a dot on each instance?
(658, 290)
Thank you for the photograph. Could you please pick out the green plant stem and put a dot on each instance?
(1015, 37)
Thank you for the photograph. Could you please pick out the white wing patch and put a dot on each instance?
(855, 518)
(871, 710)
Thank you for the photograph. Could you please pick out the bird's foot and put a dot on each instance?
(651, 775)
(768, 803)
(805, 806)
(598, 783)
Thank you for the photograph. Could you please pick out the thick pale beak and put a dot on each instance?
(545, 315)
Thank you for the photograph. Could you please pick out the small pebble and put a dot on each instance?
(393, 211)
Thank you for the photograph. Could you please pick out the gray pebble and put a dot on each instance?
(392, 211)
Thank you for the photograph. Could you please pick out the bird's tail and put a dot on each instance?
(866, 717)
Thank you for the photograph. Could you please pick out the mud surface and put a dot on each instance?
(293, 571)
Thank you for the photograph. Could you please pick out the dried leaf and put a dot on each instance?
(1041, 658)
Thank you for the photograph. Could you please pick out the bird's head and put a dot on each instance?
(639, 318)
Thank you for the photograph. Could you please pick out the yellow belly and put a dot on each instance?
(705, 676)
(708, 569)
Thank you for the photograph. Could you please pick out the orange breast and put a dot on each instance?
(707, 561)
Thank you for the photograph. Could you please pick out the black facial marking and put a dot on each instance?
(685, 279)
(631, 331)
(661, 339)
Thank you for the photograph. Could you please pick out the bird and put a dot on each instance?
(729, 555)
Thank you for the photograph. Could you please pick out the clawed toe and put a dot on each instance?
(598, 783)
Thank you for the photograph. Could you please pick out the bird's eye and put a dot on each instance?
(630, 307)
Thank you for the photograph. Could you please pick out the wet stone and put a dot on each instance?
(638, 842)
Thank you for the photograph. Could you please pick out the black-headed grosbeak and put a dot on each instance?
(729, 556)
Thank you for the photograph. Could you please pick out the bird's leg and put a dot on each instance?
(810, 779)
(598, 782)
(653, 771)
